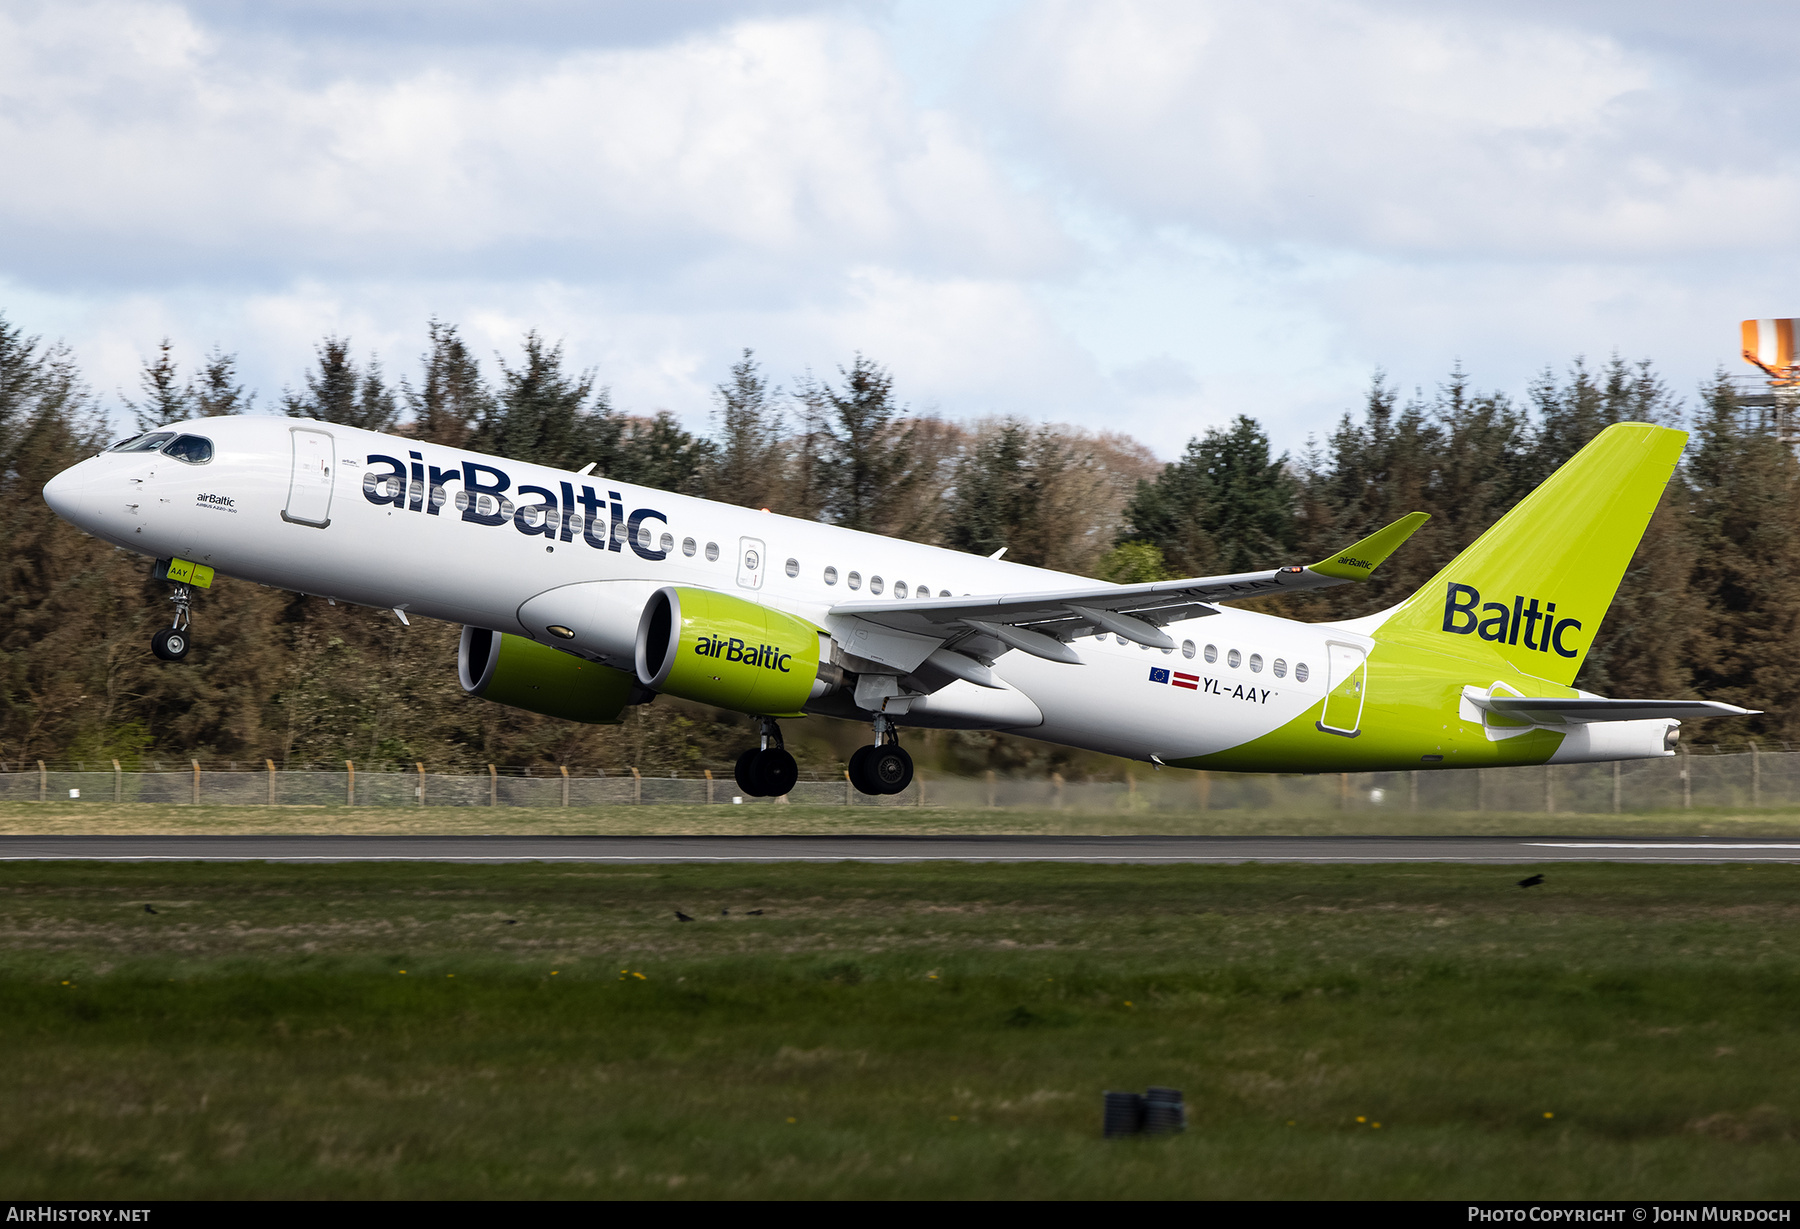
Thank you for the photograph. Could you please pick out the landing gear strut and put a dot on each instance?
(884, 767)
(172, 643)
(767, 770)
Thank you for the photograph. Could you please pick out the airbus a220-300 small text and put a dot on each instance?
(579, 596)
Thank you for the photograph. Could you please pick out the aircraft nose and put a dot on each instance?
(64, 493)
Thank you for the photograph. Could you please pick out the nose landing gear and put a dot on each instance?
(884, 767)
(172, 643)
(767, 770)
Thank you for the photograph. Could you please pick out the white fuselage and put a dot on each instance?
(310, 507)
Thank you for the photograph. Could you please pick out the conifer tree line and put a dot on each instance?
(1708, 606)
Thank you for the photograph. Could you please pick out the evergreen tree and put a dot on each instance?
(544, 414)
(1226, 506)
(747, 468)
(868, 464)
(215, 392)
(658, 453)
(340, 393)
(453, 398)
(165, 400)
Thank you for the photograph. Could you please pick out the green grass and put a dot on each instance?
(923, 1031)
(81, 818)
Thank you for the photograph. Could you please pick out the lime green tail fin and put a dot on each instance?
(1534, 588)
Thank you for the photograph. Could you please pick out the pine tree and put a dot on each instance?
(215, 392)
(165, 400)
(747, 469)
(1226, 506)
(544, 414)
(338, 392)
(453, 397)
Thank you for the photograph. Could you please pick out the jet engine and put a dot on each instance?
(721, 650)
(524, 674)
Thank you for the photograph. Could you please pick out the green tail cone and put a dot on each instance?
(1533, 590)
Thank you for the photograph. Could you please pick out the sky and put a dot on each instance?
(1148, 217)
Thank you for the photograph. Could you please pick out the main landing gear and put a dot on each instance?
(884, 767)
(172, 643)
(767, 770)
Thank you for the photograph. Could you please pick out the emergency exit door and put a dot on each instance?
(752, 562)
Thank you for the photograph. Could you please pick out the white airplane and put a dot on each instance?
(580, 595)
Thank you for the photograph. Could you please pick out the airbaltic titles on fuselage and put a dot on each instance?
(483, 500)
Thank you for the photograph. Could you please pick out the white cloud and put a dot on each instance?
(141, 142)
(1408, 130)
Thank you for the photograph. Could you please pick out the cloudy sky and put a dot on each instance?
(1148, 216)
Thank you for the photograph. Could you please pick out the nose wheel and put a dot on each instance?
(767, 770)
(884, 767)
(172, 643)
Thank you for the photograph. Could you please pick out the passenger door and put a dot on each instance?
(309, 487)
(1349, 673)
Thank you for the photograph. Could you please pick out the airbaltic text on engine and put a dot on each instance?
(768, 656)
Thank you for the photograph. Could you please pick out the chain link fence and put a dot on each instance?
(1748, 779)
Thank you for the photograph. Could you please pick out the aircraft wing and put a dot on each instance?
(1042, 623)
(1580, 710)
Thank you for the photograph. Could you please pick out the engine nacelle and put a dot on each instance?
(521, 673)
(722, 650)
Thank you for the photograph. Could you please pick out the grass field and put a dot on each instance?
(925, 1031)
(46, 818)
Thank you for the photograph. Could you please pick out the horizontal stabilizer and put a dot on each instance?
(1580, 710)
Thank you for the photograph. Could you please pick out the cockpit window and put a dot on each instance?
(194, 449)
(144, 443)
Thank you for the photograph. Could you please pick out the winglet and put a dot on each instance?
(1356, 562)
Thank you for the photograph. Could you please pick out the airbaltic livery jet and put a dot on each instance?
(579, 595)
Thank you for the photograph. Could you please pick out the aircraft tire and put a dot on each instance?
(170, 644)
(858, 768)
(889, 768)
(775, 772)
(745, 773)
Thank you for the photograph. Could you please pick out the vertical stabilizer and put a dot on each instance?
(1534, 588)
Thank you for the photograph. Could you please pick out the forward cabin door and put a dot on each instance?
(752, 562)
(1349, 681)
(309, 487)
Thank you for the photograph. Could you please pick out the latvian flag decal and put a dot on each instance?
(1189, 681)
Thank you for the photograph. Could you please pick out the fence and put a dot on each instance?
(1737, 780)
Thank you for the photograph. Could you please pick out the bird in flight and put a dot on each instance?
(682, 917)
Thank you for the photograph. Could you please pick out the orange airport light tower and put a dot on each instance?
(1770, 345)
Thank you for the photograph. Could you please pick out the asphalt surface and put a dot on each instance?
(1143, 849)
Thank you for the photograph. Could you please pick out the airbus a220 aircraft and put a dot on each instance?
(580, 595)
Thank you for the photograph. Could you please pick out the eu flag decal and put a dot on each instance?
(1158, 675)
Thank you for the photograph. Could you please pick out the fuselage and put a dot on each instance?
(392, 523)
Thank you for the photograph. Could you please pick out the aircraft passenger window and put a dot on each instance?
(1300, 672)
(1187, 648)
(899, 588)
(712, 552)
(793, 567)
(875, 584)
(688, 547)
(856, 580)
(831, 576)
(668, 543)
(923, 592)
(1256, 663)
(1281, 667)
(146, 443)
(1234, 659)
(1212, 653)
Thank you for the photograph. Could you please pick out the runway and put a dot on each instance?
(752, 849)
